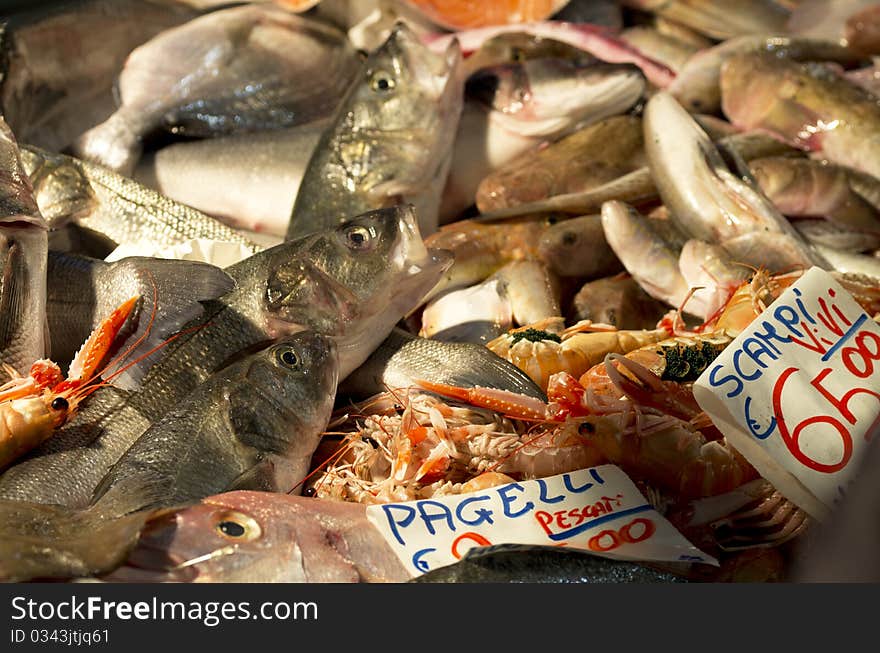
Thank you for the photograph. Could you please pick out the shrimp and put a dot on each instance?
(33, 407)
(543, 349)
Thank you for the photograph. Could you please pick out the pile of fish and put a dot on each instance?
(267, 263)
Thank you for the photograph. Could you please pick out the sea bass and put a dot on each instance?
(353, 282)
(124, 211)
(390, 140)
(248, 181)
(23, 249)
(238, 69)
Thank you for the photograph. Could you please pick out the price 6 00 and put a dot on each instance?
(859, 361)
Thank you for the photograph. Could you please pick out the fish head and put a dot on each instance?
(296, 377)
(61, 189)
(354, 281)
(545, 96)
(404, 86)
(220, 539)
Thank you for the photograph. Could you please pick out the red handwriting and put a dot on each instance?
(858, 361)
(638, 530)
(566, 519)
(478, 539)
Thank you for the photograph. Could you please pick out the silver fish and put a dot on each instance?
(249, 181)
(62, 62)
(353, 282)
(403, 358)
(710, 202)
(255, 423)
(644, 251)
(124, 211)
(238, 69)
(390, 140)
(23, 249)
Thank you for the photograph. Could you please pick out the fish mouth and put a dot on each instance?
(431, 70)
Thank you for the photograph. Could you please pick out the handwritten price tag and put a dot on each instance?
(798, 392)
(598, 509)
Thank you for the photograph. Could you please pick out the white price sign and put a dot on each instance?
(798, 391)
(598, 509)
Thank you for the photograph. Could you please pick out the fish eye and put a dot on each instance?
(358, 237)
(287, 356)
(231, 528)
(237, 526)
(310, 492)
(60, 403)
(382, 81)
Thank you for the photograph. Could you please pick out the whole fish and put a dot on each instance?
(618, 301)
(717, 19)
(58, 78)
(514, 107)
(585, 159)
(645, 252)
(805, 105)
(711, 202)
(637, 187)
(121, 209)
(82, 291)
(249, 181)
(353, 282)
(519, 563)
(807, 187)
(254, 537)
(238, 69)
(577, 248)
(23, 249)
(252, 425)
(403, 358)
(390, 139)
(256, 423)
(698, 84)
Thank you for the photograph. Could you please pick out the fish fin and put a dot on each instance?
(115, 144)
(181, 287)
(48, 541)
(260, 478)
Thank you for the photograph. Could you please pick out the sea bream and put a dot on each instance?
(244, 68)
(352, 282)
(254, 424)
(390, 140)
(259, 537)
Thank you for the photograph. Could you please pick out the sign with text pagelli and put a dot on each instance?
(597, 509)
(798, 391)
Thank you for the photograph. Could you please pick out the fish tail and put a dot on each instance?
(115, 143)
